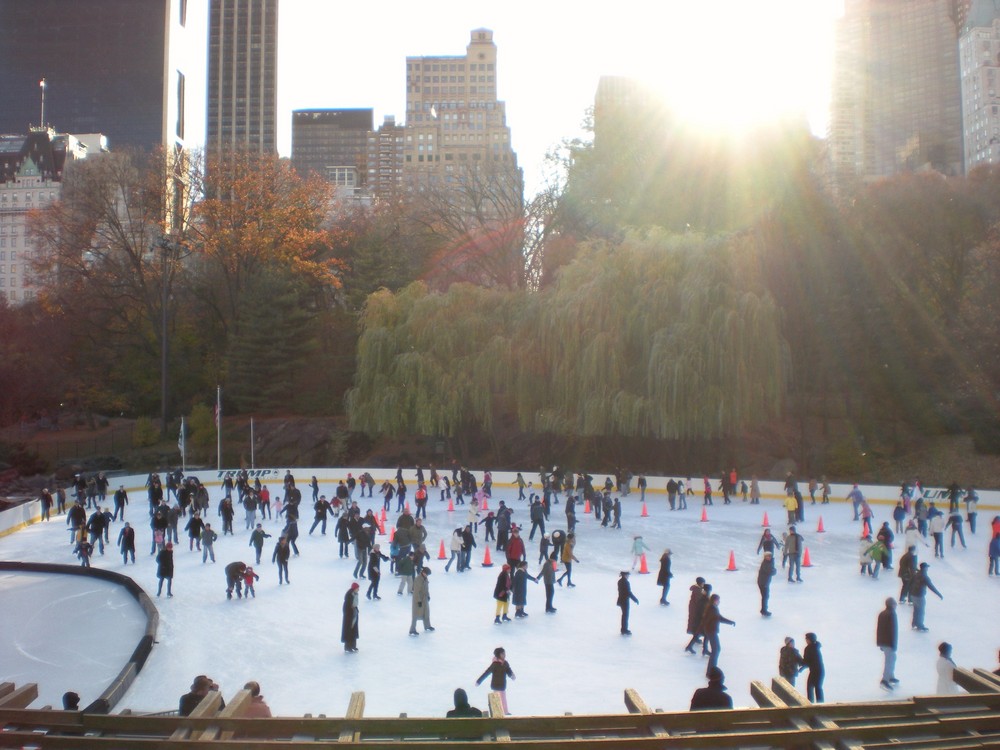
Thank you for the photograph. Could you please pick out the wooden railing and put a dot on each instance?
(784, 719)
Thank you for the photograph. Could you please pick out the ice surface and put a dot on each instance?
(65, 632)
(288, 638)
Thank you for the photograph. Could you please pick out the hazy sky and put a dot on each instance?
(723, 61)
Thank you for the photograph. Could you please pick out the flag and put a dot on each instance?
(180, 439)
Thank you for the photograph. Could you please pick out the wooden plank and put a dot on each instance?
(20, 697)
(763, 696)
(5, 688)
(501, 734)
(209, 706)
(236, 707)
(972, 682)
(787, 693)
(355, 711)
(987, 675)
(636, 705)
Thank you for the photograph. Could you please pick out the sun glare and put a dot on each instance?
(733, 65)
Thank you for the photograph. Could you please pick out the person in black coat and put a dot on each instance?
(663, 576)
(764, 576)
(349, 627)
(165, 569)
(375, 559)
(280, 556)
(714, 696)
(126, 542)
(234, 579)
(625, 596)
(886, 638)
(813, 661)
(696, 608)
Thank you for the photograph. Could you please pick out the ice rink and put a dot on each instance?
(75, 634)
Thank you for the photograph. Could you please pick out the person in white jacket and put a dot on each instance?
(945, 670)
(456, 550)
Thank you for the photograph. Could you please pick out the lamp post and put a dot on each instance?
(166, 246)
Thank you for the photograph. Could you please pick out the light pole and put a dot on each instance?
(166, 246)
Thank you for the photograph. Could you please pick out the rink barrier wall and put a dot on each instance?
(18, 517)
(989, 499)
(123, 681)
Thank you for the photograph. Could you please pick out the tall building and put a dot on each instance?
(453, 117)
(896, 100)
(385, 159)
(979, 59)
(333, 143)
(131, 69)
(243, 75)
(31, 174)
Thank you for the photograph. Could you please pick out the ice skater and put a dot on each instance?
(498, 670)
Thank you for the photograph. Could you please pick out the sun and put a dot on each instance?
(730, 65)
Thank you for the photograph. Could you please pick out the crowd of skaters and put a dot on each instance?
(356, 532)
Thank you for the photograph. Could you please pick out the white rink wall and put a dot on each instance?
(656, 485)
(27, 513)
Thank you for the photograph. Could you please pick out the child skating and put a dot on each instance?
(499, 670)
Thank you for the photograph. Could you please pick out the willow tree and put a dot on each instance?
(659, 337)
(432, 363)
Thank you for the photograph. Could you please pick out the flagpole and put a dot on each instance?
(251, 444)
(182, 444)
(218, 426)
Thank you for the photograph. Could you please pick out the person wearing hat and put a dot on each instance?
(663, 576)
(714, 696)
(625, 596)
(201, 687)
(462, 708)
(501, 593)
(349, 626)
(421, 603)
(918, 595)
(165, 569)
(764, 575)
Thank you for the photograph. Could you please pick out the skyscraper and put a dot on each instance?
(385, 159)
(979, 58)
(243, 75)
(896, 103)
(453, 116)
(131, 69)
(332, 143)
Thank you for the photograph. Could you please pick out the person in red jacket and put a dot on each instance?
(515, 547)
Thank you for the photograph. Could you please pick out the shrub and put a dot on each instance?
(144, 434)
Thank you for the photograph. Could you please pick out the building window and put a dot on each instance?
(180, 104)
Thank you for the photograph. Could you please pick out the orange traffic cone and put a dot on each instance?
(643, 568)
(765, 522)
(704, 514)
(806, 562)
(820, 529)
(865, 530)
(487, 562)
(485, 504)
(406, 507)
(732, 561)
(383, 516)
(586, 507)
(441, 555)
(451, 505)
(645, 513)
(381, 527)
(392, 534)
